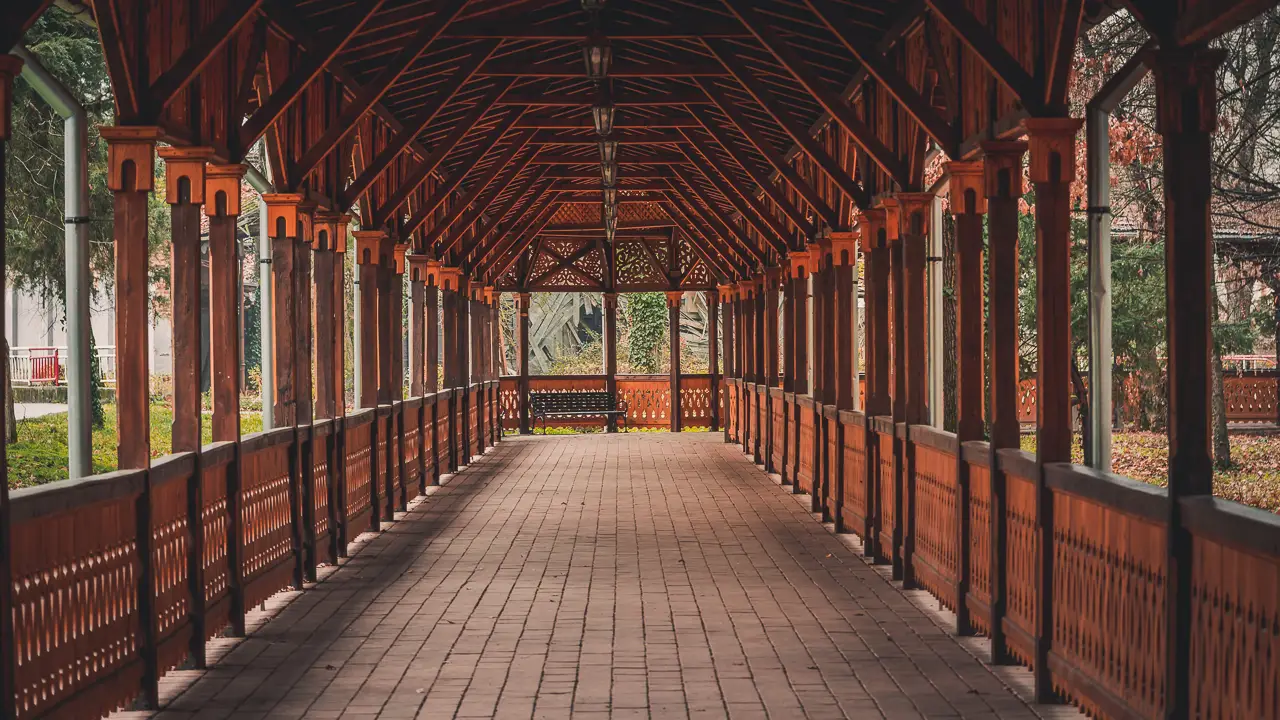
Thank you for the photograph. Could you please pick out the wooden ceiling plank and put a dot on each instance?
(832, 103)
(423, 170)
(212, 38)
(693, 190)
(762, 179)
(314, 62)
(770, 228)
(406, 135)
(520, 238)
(449, 232)
(373, 92)
(773, 105)
(975, 35)
(766, 149)
(676, 213)
(894, 83)
(533, 187)
(715, 230)
(499, 164)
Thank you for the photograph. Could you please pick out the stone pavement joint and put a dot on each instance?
(633, 575)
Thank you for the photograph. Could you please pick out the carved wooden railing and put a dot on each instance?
(118, 578)
(648, 399)
(1093, 603)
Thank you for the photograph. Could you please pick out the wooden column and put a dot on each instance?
(282, 226)
(337, 291)
(746, 321)
(131, 179)
(449, 316)
(673, 333)
(610, 301)
(10, 66)
(916, 210)
(713, 354)
(879, 402)
(417, 323)
(769, 361)
(789, 341)
(1186, 112)
(844, 257)
(968, 205)
(759, 441)
(799, 265)
(328, 363)
(185, 193)
(897, 333)
(1002, 177)
(824, 344)
(395, 347)
(432, 371)
(384, 275)
(368, 251)
(727, 293)
(522, 359)
(1052, 144)
(304, 314)
(462, 347)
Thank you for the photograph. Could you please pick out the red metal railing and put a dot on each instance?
(119, 578)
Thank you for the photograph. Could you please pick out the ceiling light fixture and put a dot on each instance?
(610, 196)
(608, 151)
(597, 54)
(609, 174)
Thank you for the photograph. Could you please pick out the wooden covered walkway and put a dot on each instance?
(623, 576)
(785, 158)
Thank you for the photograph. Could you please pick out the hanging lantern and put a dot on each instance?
(610, 196)
(611, 224)
(597, 54)
(610, 233)
(608, 151)
(593, 5)
(609, 174)
(602, 116)
(609, 212)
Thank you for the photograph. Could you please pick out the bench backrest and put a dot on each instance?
(581, 401)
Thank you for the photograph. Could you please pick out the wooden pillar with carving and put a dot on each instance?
(395, 347)
(878, 403)
(730, 351)
(368, 253)
(916, 210)
(674, 298)
(131, 179)
(1052, 145)
(799, 267)
(1186, 116)
(522, 359)
(328, 365)
(449, 353)
(305, 408)
(462, 348)
(769, 360)
(844, 258)
(713, 355)
(431, 373)
(745, 401)
(282, 228)
(417, 323)
(824, 396)
(1003, 179)
(610, 301)
(968, 205)
(383, 273)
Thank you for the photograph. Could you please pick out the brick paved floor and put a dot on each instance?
(593, 576)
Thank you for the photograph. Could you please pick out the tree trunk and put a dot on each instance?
(9, 413)
(1221, 443)
(1082, 407)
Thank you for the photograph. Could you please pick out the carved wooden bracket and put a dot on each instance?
(134, 144)
(187, 163)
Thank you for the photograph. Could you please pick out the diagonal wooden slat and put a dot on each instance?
(212, 38)
(773, 230)
(479, 197)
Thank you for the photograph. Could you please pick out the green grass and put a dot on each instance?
(40, 455)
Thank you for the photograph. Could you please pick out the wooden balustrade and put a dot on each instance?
(1109, 581)
(89, 637)
(648, 399)
(778, 421)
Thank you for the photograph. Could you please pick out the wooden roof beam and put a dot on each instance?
(675, 96)
(314, 62)
(745, 243)
(573, 69)
(762, 179)
(773, 230)
(373, 92)
(466, 212)
(534, 187)
(573, 29)
(502, 258)
(657, 158)
(773, 105)
(419, 174)
(719, 234)
(676, 213)
(635, 137)
(862, 134)
(407, 134)
(943, 133)
(212, 38)
(766, 149)
(975, 35)
(472, 194)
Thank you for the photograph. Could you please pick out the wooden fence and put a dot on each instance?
(119, 578)
(969, 526)
(1252, 396)
(648, 398)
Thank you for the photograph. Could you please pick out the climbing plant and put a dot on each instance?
(646, 318)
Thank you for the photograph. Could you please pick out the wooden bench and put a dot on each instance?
(597, 403)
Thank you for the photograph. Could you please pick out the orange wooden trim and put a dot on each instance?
(965, 176)
(223, 179)
(892, 211)
(282, 206)
(799, 263)
(433, 272)
(1002, 155)
(330, 229)
(368, 246)
(726, 292)
(398, 253)
(417, 267)
(1048, 137)
(674, 298)
(450, 278)
(915, 203)
(131, 144)
(307, 215)
(844, 247)
(189, 163)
